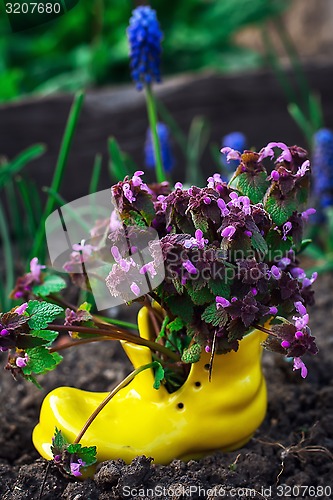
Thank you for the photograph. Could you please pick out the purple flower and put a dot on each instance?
(232, 154)
(128, 193)
(228, 232)
(308, 281)
(301, 322)
(198, 241)
(222, 302)
(300, 308)
(299, 335)
(276, 272)
(248, 233)
(306, 214)
(76, 466)
(207, 200)
(298, 272)
(21, 362)
(275, 175)
(178, 185)
(149, 267)
(298, 364)
(135, 289)
(284, 262)
(273, 310)
(189, 267)
(285, 344)
(22, 308)
(4, 332)
(85, 250)
(305, 167)
(136, 179)
(223, 207)
(268, 151)
(286, 228)
(236, 141)
(35, 269)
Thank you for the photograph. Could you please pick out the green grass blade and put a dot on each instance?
(28, 208)
(197, 142)
(39, 244)
(168, 119)
(14, 166)
(117, 165)
(8, 259)
(96, 173)
(16, 222)
(303, 123)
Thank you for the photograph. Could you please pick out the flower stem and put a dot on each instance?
(152, 117)
(108, 398)
(119, 334)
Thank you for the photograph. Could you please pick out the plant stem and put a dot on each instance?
(265, 330)
(73, 343)
(59, 170)
(152, 117)
(108, 398)
(119, 334)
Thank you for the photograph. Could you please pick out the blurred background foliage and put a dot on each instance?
(87, 48)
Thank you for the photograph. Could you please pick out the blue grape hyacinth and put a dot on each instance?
(237, 141)
(166, 151)
(322, 167)
(144, 36)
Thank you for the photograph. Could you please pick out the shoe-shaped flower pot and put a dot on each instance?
(202, 416)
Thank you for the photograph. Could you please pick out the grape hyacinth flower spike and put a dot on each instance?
(322, 166)
(144, 36)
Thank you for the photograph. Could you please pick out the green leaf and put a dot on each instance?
(42, 313)
(253, 185)
(192, 354)
(200, 222)
(280, 210)
(74, 448)
(85, 306)
(88, 455)
(201, 296)
(59, 443)
(214, 316)
(219, 288)
(277, 247)
(48, 335)
(181, 306)
(159, 375)
(12, 168)
(176, 325)
(52, 284)
(41, 360)
(259, 243)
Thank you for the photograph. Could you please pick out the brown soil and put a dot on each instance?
(293, 448)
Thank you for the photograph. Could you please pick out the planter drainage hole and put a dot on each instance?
(206, 367)
(197, 384)
(180, 406)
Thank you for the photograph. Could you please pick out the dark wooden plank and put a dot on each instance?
(251, 102)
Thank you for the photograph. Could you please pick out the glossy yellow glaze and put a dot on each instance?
(198, 418)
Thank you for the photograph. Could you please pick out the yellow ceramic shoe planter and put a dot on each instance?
(198, 418)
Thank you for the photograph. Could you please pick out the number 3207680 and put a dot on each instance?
(33, 8)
